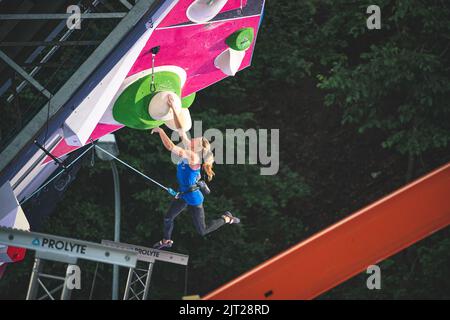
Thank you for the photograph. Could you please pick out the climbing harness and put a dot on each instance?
(200, 185)
(192, 188)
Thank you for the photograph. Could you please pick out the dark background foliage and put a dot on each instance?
(360, 114)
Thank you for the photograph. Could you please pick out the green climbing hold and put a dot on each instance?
(242, 39)
(131, 108)
(186, 102)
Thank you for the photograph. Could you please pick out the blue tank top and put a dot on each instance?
(188, 177)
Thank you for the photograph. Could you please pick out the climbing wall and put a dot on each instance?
(190, 46)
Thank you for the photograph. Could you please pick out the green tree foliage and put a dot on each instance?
(400, 82)
(395, 79)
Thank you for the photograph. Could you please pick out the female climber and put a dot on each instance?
(195, 155)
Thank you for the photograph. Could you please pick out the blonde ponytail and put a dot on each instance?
(208, 167)
(208, 159)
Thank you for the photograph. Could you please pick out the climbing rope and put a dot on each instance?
(169, 190)
(93, 146)
(56, 176)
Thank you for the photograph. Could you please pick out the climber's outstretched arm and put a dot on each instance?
(170, 146)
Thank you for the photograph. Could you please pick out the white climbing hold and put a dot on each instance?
(201, 11)
(229, 61)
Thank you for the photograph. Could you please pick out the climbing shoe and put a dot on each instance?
(233, 220)
(163, 244)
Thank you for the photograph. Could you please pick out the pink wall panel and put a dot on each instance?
(194, 49)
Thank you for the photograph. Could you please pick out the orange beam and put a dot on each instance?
(347, 248)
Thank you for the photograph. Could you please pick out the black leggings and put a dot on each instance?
(198, 216)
